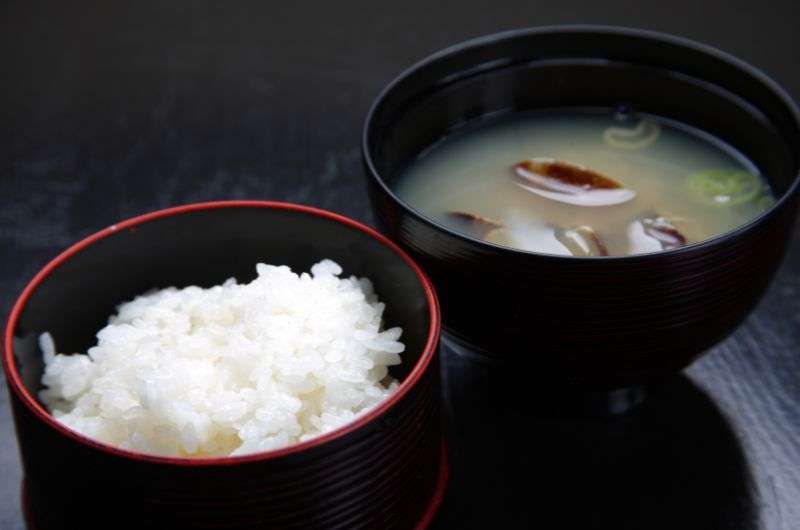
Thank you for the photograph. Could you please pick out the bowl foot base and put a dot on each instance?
(611, 402)
(493, 374)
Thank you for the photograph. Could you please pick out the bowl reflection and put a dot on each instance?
(672, 463)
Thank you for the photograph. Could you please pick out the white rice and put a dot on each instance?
(229, 370)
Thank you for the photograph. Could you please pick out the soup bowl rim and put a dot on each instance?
(577, 30)
(420, 367)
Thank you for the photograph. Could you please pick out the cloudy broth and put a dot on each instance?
(585, 183)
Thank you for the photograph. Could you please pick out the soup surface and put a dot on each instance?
(585, 183)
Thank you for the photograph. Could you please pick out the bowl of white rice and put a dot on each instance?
(236, 364)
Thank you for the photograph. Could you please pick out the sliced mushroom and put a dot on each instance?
(664, 231)
(581, 241)
(569, 183)
(474, 224)
(653, 233)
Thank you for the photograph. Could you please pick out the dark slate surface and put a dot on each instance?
(113, 110)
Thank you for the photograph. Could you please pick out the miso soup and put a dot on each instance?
(585, 183)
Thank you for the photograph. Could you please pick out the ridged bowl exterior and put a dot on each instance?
(599, 322)
(388, 471)
(381, 476)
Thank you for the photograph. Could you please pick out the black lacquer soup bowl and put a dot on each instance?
(598, 322)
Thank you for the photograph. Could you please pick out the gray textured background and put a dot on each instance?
(113, 110)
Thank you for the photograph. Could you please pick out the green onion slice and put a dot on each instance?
(724, 187)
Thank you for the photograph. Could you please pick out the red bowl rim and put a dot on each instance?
(422, 364)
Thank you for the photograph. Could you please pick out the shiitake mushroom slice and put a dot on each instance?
(474, 224)
(578, 240)
(569, 183)
(653, 232)
(581, 241)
